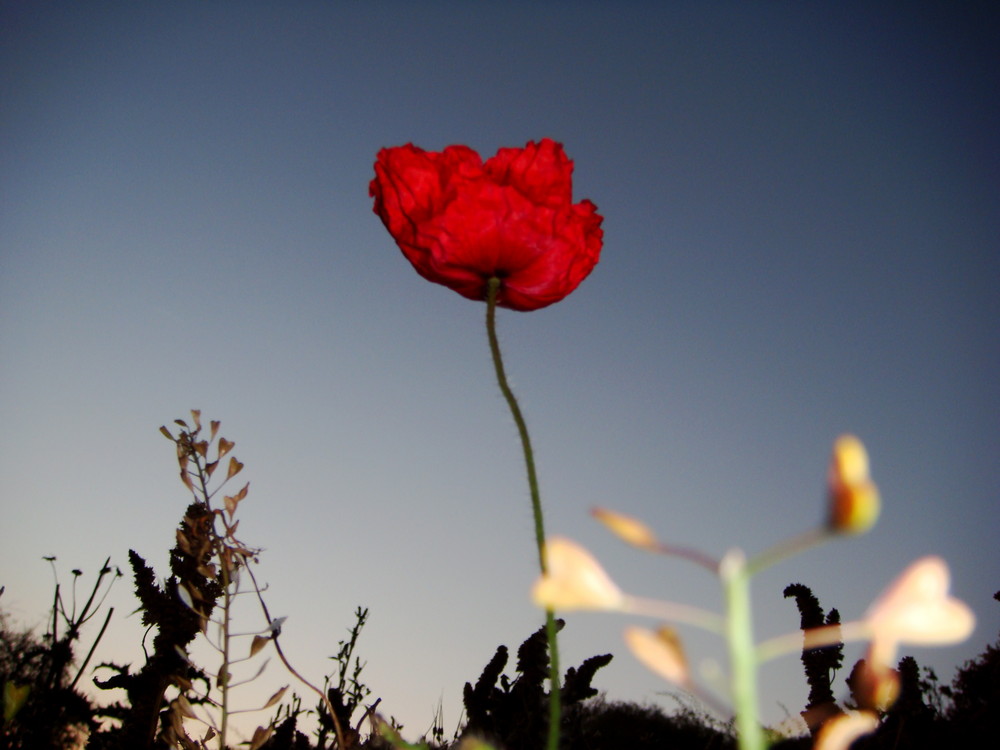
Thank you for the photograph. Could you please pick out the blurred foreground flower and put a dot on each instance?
(916, 609)
(854, 498)
(461, 222)
(574, 580)
(839, 732)
(629, 530)
(661, 652)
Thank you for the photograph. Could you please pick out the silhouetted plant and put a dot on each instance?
(600, 724)
(821, 664)
(205, 565)
(344, 693)
(42, 707)
(515, 712)
(975, 698)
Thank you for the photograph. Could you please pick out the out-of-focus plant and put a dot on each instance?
(916, 609)
(42, 705)
(512, 712)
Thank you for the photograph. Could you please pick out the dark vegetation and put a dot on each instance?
(44, 705)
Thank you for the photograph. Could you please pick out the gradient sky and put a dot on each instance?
(802, 238)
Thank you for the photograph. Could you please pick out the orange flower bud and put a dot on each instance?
(628, 529)
(875, 686)
(854, 498)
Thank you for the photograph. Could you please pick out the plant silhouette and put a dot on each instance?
(514, 712)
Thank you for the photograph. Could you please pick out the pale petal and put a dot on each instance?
(839, 732)
(575, 580)
(916, 609)
(660, 652)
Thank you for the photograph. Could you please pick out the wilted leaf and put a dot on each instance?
(275, 698)
(260, 736)
(210, 468)
(258, 642)
(215, 429)
(202, 447)
(14, 697)
(166, 433)
(182, 423)
(223, 677)
(234, 468)
(182, 542)
(196, 415)
(225, 446)
(186, 708)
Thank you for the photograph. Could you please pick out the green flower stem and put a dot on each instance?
(739, 632)
(492, 287)
(826, 635)
(673, 612)
(793, 546)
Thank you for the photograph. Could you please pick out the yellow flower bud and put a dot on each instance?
(854, 498)
(628, 529)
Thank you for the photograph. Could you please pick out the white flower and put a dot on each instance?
(574, 580)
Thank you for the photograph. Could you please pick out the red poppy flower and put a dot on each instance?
(460, 221)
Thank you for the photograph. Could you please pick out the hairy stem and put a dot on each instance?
(555, 709)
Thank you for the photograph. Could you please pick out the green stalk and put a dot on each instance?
(742, 654)
(555, 708)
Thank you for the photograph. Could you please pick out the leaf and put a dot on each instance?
(225, 446)
(258, 642)
(234, 468)
(166, 433)
(275, 698)
(14, 697)
(260, 736)
(185, 707)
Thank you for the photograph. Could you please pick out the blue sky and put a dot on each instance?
(802, 238)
